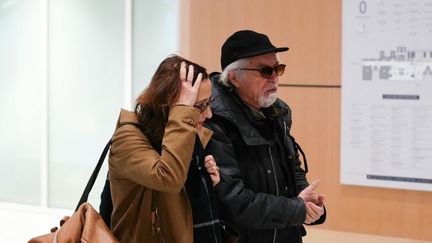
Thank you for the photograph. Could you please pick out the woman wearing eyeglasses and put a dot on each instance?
(161, 181)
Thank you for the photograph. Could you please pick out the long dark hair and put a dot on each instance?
(152, 106)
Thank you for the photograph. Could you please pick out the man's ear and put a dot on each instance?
(232, 77)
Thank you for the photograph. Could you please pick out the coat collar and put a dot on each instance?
(229, 106)
(205, 136)
(129, 117)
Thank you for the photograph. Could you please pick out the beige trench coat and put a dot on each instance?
(135, 167)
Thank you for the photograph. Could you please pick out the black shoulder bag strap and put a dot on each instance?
(105, 212)
(298, 149)
(90, 183)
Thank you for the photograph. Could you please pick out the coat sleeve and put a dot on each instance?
(133, 158)
(242, 206)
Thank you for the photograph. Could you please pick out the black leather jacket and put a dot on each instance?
(261, 172)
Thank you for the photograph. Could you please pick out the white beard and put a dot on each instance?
(267, 101)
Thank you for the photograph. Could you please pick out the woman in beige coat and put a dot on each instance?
(151, 152)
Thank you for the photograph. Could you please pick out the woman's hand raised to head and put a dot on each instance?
(188, 92)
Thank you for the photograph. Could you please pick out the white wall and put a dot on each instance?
(66, 69)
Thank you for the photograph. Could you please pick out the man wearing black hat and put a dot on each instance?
(263, 190)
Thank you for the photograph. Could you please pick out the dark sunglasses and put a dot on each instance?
(204, 104)
(266, 71)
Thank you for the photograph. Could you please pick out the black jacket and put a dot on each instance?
(261, 172)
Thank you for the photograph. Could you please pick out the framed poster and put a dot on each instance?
(386, 136)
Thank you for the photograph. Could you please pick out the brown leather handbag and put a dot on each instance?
(85, 225)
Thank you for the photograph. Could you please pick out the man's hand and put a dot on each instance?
(313, 212)
(308, 194)
(314, 203)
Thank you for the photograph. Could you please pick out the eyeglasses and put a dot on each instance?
(266, 71)
(204, 104)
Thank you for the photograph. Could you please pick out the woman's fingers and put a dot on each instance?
(215, 178)
(190, 74)
(210, 164)
(209, 161)
(212, 169)
(189, 88)
(198, 81)
(183, 72)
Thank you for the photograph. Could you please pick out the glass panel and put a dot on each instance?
(85, 92)
(20, 101)
(155, 36)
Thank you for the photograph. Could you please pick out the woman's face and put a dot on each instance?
(203, 102)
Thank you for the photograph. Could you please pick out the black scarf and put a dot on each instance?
(199, 188)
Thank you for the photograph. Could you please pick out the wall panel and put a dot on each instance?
(312, 30)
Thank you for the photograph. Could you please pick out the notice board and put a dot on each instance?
(386, 127)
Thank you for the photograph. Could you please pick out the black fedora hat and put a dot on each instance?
(246, 43)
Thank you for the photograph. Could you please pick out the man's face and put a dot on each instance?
(254, 89)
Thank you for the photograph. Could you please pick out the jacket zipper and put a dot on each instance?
(277, 188)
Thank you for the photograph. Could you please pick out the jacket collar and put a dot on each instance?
(127, 117)
(205, 136)
(229, 106)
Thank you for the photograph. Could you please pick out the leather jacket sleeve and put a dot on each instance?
(244, 207)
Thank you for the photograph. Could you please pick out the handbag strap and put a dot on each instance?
(91, 181)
